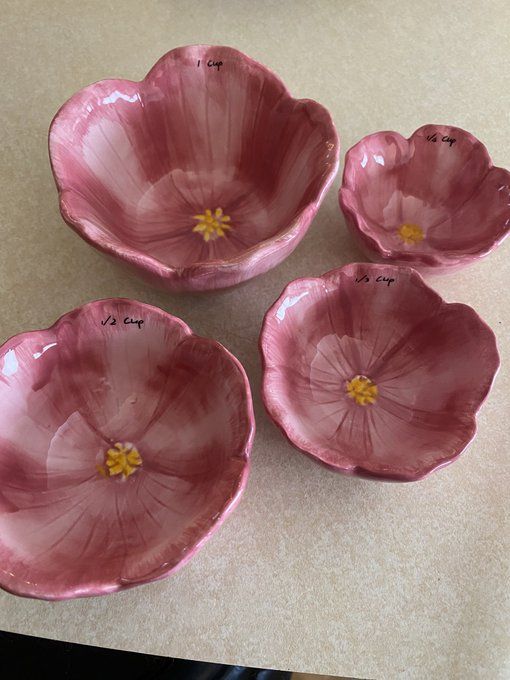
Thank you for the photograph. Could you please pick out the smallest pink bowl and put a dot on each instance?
(433, 201)
(371, 373)
(124, 443)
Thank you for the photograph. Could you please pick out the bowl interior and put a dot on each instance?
(121, 446)
(141, 162)
(366, 370)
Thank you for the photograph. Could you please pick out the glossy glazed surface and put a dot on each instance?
(138, 164)
(122, 447)
(365, 370)
(433, 201)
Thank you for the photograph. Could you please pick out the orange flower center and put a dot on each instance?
(411, 234)
(362, 390)
(121, 459)
(212, 226)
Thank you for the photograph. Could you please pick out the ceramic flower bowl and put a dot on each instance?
(122, 448)
(433, 201)
(204, 174)
(368, 371)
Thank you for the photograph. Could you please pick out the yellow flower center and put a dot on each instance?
(212, 226)
(122, 459)
(411, 234)
(362, 390)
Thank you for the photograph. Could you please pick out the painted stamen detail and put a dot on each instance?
(121, 459)
(362, 390)
(411, 234)
(212, 226)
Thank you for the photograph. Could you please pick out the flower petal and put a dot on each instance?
(204, 405)
(375, 161)
(119, 371)
(34, 396)
(426, 370)
(75, 451)
(424, 412)
(480, 222)
(406, 442)
(364, 310)
(442, 173)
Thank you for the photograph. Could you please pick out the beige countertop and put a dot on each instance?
(313, 572)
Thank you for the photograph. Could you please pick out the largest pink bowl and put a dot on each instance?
(76, 517)
(208, 129)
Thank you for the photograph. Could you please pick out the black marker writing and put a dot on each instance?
(385, 279)
(109, 319)
(138, 322)
(364, 278)
(213, 64)
(112, 321)
(445, 138)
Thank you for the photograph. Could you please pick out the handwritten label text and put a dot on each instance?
(445, 138)
(211, 64)
(112, 321)
(388, 280)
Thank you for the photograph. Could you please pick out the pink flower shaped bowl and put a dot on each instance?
(433, 201)
(123, 446)
(204, 174)
(371, 373)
